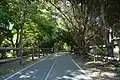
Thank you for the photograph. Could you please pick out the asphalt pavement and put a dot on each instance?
(60, 66)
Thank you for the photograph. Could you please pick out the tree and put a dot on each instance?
(87, 21)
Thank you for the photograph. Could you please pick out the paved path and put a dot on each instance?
(60, 66)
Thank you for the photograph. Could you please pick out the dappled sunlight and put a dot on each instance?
(30, 58)
(99, 74)
(116, 52)
(110, 68)
(93, 62)
(9, 55)
(29, 74)
(83, 77)
(99, 70)
(109, 74)
(74, 75)
(58, 54)
(24, 76)
(93, 72)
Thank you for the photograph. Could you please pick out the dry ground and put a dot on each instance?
(98, 70)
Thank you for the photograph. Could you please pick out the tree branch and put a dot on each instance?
(61, 12)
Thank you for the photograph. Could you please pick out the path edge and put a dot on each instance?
(24, 69)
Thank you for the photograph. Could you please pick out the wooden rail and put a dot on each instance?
(40, 51)
(8, 48)
(9, 60)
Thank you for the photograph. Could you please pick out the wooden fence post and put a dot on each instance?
(47, 51)
(18, 51)
(95, 52)
(43, 51)
(20, 55)
(39, 53)
(33, 51)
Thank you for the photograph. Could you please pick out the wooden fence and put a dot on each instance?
(33, 52)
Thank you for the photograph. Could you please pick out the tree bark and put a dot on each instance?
(104, 28)
(21, 33)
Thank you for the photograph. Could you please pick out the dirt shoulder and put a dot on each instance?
(97, 70)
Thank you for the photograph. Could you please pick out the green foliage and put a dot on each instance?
(39, 25)
(59, 45)
(65, 36)
(5, 13)
(47, 43)
(75, 22)
(5, 20)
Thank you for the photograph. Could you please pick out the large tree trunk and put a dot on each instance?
(17, 42)
(80, 45)
(106, 30)
(20, 45)
(104, 27)
(21, 33)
